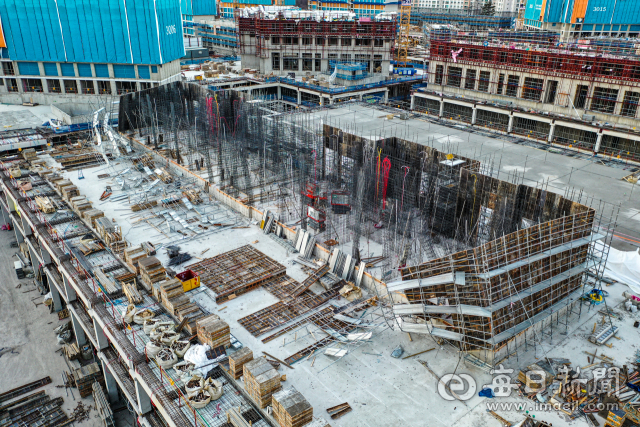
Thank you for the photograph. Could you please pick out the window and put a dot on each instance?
(102, 70)
(307, 62)
(581, 96)
(552, 89)
(86, 87)
(439, 74)
(378, 42)
(487, 55)
(320, 41)
(500, 87)
(70, 86)
(377, 63)
(145, 85)
(54, 86)
(125, 87)
(290, 63)
(68, 70)
(275, 40)
(483, 84)
(512, 85)
(275, 61)
(455, 76)
(306, 41)
(104, 87)
(28, 68)
(143, 72)
(532, 89)
(7, 69)
(154, 69)
(50, 69)
(470, 81)
(346, 42)
(12, 85)
(604, 100)
(124, 71)
(84, 70)
(630, 104)
(333, 41)
(32, 85)
(363, 42)
(318, 64)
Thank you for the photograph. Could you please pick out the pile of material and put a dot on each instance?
(85, 376)
(291, 409)
(261, 381)
(237, 361)
(45, 205)
(213, 331)
(193, 196)
(167, 289)
(91, 215)
(133, 255)
(151, 270)
(69, 191)
(80, 204)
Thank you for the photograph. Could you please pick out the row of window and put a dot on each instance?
(603, 100)
(87, 87)
(121, 71)
(291, 62)
(331, 41)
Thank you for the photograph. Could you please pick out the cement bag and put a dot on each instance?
(180, 347)
(151, 324)
(184, 369)
(166, 358)
(195, 384)
(142, 315)
(197, 354)
(169, 337)
(129, 313)
(200, 399)
(153, 348)
(214, 388)
(48, 299)
(157, 332)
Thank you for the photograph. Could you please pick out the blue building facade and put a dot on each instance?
(94, 43)
(191, 8)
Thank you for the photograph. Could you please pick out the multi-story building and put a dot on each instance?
(463, 18)
(306, 43)
(194, 10)
(585, 95)
(226, 7)
(217, 35)
(583, 18)
(361, 8)
(67, 52)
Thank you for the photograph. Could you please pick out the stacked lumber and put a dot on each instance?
(213, 331)
(143, 206)
(118, 247)
(261, 381)
(91, 215)
(71, 351)
(237, 361)
(163, 175)
(173, 304)
(151, 270)
(107, 282)
(29, 154)
(80, 204)
(45, 205)
(61, 184)
(168, 289)
(132, 294)
(193, 196)
(133, 255)
(104, 226)
(192, 313)
(69, 191)
(291, 409)
(85, 376)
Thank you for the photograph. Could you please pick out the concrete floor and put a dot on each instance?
(27, 342)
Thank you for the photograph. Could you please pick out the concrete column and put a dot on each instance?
(360, 97)
(330, 101)
(249, 92)
(101, 338)
(474, 114)
(25, 226)
(110, 383)
(279, 92)
(57, 300)
(114, 90)
(19, 236)
(413, 101)
(510, 127)
(598, 142)
(81, 337)
(71, 292)
(46, 256)
(441, 108)
(144, 401)
(299, 97)
(552, 130)
(321, 101)
(386, 95)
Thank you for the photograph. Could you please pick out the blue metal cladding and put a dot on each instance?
(143, 72)
(29, 68)
(154, 69)
(118, 31)
(84, 70)
(121, 71)
(200, 7)
(50, 69)
(67, 70)
(533, 9)
(613, 12)
(102, 70)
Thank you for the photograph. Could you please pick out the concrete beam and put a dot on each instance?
(72, 295)
(110, 383)
(101, 338)
(144, 401)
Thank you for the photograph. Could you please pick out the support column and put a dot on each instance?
(330, 101)
(321, 101)
(598, 141)
(279, 93)
(299, 98)
(110, 383)
(413, 101)
(441, 108)
(552, 130)
(101, 338)
(510, 127)
(81, 337)
(386, 95)
(57, 301)
(474, 114)
(71, 292)
(360, 96)
(144, 401)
